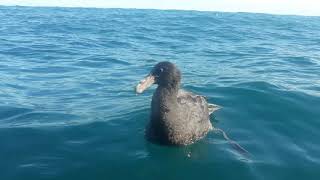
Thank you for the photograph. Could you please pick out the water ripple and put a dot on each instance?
(68, 102)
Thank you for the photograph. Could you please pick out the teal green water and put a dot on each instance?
(68, 109)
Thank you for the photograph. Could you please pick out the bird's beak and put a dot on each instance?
(145, 83)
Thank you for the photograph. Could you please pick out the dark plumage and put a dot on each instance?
(178, 117)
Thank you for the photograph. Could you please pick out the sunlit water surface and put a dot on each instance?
(68, 109)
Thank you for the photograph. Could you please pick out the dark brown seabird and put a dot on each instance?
(178, 117)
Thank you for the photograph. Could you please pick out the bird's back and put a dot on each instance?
(193, 116)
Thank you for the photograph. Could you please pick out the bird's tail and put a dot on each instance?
(233, 143)
(213, 107)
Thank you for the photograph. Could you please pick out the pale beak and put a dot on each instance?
(145, 84)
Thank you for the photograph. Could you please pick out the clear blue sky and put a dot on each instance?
(297, 7)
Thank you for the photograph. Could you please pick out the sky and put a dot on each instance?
(291, 7)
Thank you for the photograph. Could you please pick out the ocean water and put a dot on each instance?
(68, 109)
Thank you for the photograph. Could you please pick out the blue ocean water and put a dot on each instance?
(68, 109)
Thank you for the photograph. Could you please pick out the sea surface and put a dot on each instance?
(68, 108)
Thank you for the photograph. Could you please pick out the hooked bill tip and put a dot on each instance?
(139, 90)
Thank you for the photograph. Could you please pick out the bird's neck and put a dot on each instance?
(165, 97)
(169, 91)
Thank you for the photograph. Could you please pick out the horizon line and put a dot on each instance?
(163, 9)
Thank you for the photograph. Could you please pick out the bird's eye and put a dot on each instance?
(161, 69)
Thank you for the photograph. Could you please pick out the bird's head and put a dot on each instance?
(165, 74)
